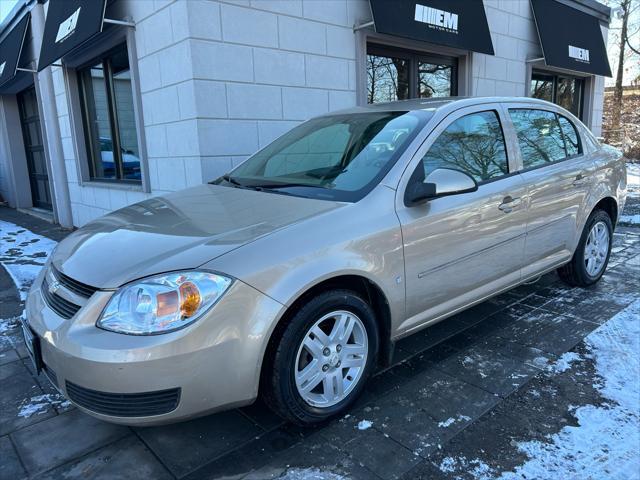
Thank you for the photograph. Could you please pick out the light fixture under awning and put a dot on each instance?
(10, 50)
(69, 24)
(570, 39)
(461, 24)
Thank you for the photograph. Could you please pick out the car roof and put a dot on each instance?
(432, 104)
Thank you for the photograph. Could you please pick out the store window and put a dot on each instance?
(109, 120)
(561, 90)
(394, 74)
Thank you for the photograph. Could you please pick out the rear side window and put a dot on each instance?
(473, 144)
(572, 143)
(539, 136)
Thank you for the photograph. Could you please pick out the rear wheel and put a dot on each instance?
(324, 356)
(591, 257)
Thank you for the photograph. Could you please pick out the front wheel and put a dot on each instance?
(592, 254)
(324, 357)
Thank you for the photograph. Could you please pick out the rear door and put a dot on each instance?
(462, 248)
(557, 175)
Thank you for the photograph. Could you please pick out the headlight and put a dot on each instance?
(163, 303)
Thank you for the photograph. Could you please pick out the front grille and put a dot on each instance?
(61, 306)
(125, 404)
(72, 285)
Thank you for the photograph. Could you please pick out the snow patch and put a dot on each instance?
(364, 425)
(450, 421)
(41, 404)
(564, 362)
(606, 442)
(23, 254)
(309, 474)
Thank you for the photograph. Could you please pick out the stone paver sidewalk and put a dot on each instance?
(474, 383)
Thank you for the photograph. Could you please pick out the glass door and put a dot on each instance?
(34, 149)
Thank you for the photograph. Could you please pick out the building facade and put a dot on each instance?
(158, 95)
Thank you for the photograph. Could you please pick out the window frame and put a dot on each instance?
(554, 77)
(114, 125)
(414, 57)
(109, 39)
(564, 141)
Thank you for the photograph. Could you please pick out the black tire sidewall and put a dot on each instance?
(579, 265)
(286, 354)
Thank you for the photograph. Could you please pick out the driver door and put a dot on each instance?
(461, 248)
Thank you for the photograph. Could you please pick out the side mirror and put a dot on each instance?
(439, 183)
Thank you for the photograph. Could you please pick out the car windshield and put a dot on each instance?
(338, 157)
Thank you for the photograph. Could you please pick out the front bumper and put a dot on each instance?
(212, 364)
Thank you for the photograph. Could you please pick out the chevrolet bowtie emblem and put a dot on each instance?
(54, 287)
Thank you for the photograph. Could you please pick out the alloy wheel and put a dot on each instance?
(331, 359)
(596, 249)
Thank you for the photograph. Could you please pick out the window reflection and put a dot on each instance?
(109, 118)
(570, 136)
(542, 87)
(561, 90)
(473, 144)
(387, 79)
(539, 136)
(434, 80)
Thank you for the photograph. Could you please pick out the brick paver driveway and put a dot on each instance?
(473, 384)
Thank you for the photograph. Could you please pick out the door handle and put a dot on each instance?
(509, 203)
(579, 180)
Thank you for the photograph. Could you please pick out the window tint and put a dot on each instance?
(539, 136)
(570, 136)
(473, 144)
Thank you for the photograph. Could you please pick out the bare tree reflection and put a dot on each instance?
(539, 136)
(434, 80)
(388, 79)
(473, 144)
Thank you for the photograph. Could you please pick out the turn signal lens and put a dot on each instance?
(189, 299)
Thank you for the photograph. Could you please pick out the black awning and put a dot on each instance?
(570, 39)
(10, 49)
(459, 24)
(69, 24)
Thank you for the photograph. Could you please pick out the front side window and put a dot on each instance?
(473, 144)
(338, 157)
(539, 136)
(394, 74)
(109, 120)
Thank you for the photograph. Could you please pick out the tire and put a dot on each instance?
(286, 386)
(578, 272)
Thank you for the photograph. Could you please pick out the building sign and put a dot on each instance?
(11, 48)
(68, 25)
(580, 54)
(66, 28)
(435, 18)
(461, 24)
(570, 39)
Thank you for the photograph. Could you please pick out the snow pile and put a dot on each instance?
(606, 442)
(23, 254)
(633, 195)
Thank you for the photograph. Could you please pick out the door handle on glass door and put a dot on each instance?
(509, 203)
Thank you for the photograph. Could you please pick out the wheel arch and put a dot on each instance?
(610, 206)
(369, 290)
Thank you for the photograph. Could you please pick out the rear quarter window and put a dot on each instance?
(571, 138)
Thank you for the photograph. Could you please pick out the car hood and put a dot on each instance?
(182, 230)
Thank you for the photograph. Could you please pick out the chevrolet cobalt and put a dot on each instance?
(292, 276)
